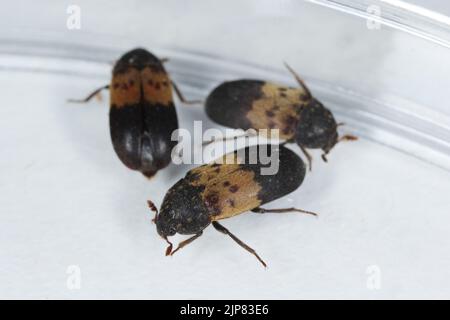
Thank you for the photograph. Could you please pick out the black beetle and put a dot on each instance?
(225, 188)
(142, 114)
(255, 104)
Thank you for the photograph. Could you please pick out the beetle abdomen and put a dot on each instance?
(286, 177)
(242, 180)
(229, 103)
(141, 136)
(231, 185)
(256, 104)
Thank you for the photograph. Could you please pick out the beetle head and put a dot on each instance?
(137, 58)
(164, 226)
(182, 211)
(317, 127)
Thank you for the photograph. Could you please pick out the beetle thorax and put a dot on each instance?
(317, 127)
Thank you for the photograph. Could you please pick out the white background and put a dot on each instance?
(67, 200)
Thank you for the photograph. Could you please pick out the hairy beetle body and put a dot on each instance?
(229, 186)
(254, 104)
(142, 115)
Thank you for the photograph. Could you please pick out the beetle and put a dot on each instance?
(255, 104)
(142, 114)
(225, 188)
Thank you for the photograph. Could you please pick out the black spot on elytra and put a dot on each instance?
(290, 120)
(157, 86)
(116, 86)
(270, 114)
(226, 183)
(304, 97)
(298, 107)
(124, 86)
(275, 108)
(131, 82)
(211, 202)
(230, 102)
(212, 199)
(234, 188)
(165, 84)
(150, 82)
(283, 95)
(286, 130)
(231, 202)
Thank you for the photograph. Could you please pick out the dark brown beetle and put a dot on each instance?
(142, 114)
(255, 104)
(225, 188)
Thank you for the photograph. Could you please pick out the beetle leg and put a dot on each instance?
(262, 210)
(186, 242)
(181, 97)
(89, 97)
(169, 248)
(152, 207)
(299, 80)
(307, 155)
(224, 230)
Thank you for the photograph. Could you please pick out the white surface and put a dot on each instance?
(440, 6)
(67, 200)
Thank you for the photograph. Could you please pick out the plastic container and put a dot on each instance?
(70, 210)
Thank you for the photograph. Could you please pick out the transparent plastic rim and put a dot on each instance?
(414, 129)
(413, 19)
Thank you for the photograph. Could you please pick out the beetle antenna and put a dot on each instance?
(348, 137)
(90, 96)
(169, 248)
(299, 80)
(152, 207)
